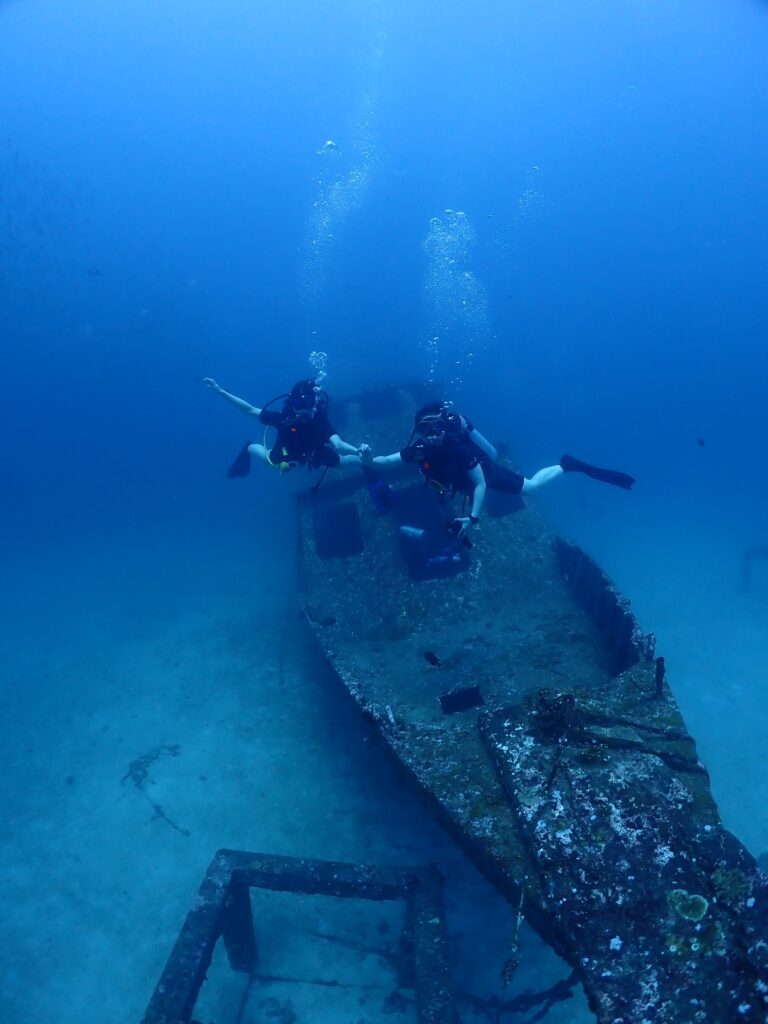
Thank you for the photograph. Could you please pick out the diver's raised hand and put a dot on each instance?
(239, 403)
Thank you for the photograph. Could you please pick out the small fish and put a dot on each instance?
(432, 658)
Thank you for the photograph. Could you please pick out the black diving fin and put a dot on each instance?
(242, 464)
(606, 476)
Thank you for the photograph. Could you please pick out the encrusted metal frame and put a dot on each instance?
(223, 909)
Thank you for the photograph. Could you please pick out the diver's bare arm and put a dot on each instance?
(465, 523)
(388, 460)
(484, 444)
(477, 477)
(343, 448)
(239, 403)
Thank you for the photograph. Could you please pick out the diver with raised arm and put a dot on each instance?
(305, 436)
(456, 458)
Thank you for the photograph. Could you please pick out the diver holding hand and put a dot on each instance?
(305, 436)
(455, 458)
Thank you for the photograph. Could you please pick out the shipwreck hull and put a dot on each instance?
(575, 782)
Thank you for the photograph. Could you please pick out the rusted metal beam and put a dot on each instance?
(223, 909)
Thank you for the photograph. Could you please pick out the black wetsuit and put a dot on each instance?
(301, 442)
(447, 465)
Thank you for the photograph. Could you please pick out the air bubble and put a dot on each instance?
(456, 303)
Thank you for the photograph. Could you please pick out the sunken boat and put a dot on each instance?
(515, 687)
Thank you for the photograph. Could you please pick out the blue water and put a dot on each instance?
(168, 211)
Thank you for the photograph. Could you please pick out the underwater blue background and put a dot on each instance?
(172, 154)
(168, 212)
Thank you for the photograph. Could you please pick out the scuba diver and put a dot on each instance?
(455, 458)
(305, 436)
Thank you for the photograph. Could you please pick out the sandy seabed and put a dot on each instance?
(158, 710)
